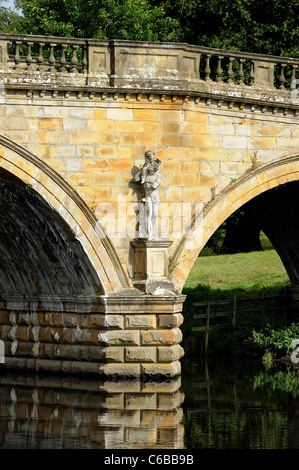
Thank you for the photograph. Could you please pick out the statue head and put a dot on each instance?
(149, 156)
(155, 166)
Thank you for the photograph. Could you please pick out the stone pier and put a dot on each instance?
(123, 335)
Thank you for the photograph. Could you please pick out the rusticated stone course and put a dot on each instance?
(124, 344)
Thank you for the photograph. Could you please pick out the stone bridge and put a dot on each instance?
(81, 292)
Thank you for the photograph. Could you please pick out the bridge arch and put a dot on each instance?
(59, 198)
(252, 186)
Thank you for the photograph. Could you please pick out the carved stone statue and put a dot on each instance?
(150, 179)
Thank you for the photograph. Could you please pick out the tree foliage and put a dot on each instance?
(260, 26)
(101, 19)
(242, 233)
(8, 19)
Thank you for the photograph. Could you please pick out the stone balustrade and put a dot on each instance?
(140, 65)
(247, 69)
(45, 54)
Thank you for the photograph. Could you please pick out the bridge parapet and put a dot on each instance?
(143, 66)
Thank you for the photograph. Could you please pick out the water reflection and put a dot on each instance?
(230, 407)
(47, 412)
(212, 407)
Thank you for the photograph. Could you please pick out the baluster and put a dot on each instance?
(62, 58)
(74, 60)
(17, 57)
(219, 69)
(199, 66)
(40, 58)
(29, 56)
(293, 77)
(281, 76)
(230, 70)
(241, 72)
(251, 75)
(84, 59)
(52, 57)
(207, 69)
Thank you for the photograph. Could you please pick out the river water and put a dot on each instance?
(211, 406)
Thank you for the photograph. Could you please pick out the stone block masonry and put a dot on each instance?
(121, 336)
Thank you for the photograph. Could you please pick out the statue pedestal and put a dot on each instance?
(151, 264)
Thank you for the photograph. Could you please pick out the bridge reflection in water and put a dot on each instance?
(69, 413)
(212, 406)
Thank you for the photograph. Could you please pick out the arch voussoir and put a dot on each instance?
(270, 175)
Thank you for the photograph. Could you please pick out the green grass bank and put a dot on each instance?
(217, 277)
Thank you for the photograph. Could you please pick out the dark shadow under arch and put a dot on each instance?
(40, 256)
(276, 212)
(63, 198)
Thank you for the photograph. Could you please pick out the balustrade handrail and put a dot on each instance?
(59, 54)
(247, 55)
(45, 39)
(111, 42)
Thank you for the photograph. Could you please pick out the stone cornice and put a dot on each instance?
(223, 99)
(134, 302)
